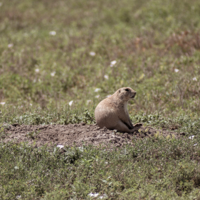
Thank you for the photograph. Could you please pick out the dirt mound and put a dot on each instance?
(74, 134)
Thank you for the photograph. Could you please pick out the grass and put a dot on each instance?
(153, 169)
(149, 41)
(46, 62)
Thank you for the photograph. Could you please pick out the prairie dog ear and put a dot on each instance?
(119, 91)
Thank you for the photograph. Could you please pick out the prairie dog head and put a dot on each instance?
(125, 94)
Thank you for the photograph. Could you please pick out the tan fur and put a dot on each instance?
(112, 112)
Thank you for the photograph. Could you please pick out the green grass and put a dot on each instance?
(149, 40)
(156, 46)
(152, 169)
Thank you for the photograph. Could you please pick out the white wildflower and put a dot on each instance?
(81, 148)
(60, 146)
(18, 197)
(194, 79)
(103, 196)
(93, 194)
(10, 45)
(31, 104)
(53, 73)
(191, 137)
(1, 4)
(176, 70)
(92, 53)
(37, 70)
(97, 90)
(195, 145)
(88, 101)
(106, 77)
(16, 167)
(97, 96)
(2, 103)
(70, 103)
(52, 33)
(112, 63)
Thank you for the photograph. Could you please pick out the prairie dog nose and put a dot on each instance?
(134, 93)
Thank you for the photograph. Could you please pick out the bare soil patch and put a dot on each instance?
(75, 134)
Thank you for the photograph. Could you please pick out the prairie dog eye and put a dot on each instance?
(127, 90)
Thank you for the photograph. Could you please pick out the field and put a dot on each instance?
(59, 59)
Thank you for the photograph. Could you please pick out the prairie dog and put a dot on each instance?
(112, 112)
